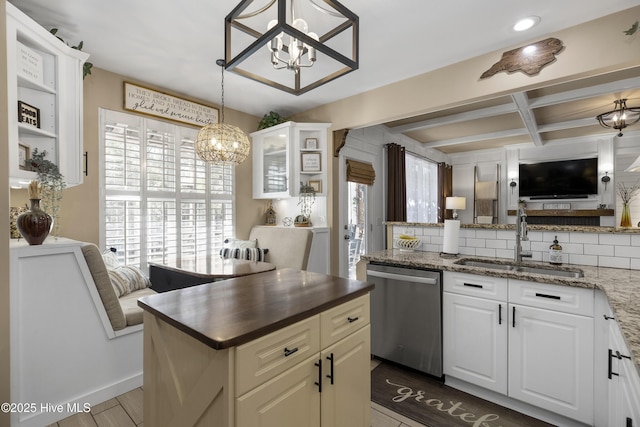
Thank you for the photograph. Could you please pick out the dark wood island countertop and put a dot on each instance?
(235, 311)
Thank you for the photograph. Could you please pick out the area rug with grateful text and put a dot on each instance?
(430, 402)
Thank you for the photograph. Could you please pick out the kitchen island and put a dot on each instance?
(258, 350)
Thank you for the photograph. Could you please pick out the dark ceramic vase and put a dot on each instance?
(35, 224)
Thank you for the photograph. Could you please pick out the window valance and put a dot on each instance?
(360, 172)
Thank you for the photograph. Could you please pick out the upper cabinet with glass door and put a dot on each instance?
(287, 157)
(44, 91)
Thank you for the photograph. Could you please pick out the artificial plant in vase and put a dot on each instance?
(627, 194)
(52, 183)
(306, 199)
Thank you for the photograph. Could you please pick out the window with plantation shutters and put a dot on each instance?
(161, 203)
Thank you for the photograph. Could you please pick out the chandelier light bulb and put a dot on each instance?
(301, 25)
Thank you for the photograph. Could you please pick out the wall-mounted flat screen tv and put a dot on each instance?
(559, 180)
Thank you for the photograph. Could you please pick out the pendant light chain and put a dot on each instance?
(221, 63)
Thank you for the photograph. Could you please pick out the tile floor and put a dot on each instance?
(126, 411)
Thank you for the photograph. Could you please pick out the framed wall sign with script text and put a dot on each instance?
(153, 103)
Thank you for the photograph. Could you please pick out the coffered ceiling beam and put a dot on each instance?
(456, 118)
(522, 101)
(569, 124)
(584, 93)
(475, 138)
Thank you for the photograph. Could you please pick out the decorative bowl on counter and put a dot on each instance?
(407, 244)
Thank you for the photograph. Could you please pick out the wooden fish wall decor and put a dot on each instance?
(529, 59)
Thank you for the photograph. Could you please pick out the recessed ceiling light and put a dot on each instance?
(526, 23)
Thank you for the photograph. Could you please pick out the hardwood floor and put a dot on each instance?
(126, 411)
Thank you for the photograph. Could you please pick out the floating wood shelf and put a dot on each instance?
(565, 212)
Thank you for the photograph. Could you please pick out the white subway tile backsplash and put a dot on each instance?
(475, 243)
(615, 262)
(467, 232)
(627, 251)
(486, 234)
(505, 234)
(614, 239)
(589, 238)
(486, 252)
(596, 249)
(549, 236)
(606, 250)
(582, 259)
(502, 253)
(496, 244)
(467, 251)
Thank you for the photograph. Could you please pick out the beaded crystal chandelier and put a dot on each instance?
(220, 143)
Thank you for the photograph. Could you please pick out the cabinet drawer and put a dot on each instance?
(566, 299)
(494, 288)
(344, 319)
(264, 358)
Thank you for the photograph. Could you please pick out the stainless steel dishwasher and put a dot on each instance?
(406, 316)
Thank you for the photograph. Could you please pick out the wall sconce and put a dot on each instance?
(606, 178)
(512, 184)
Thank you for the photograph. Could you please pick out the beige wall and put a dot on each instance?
(80, 214)
(4, 231)
(593, 48)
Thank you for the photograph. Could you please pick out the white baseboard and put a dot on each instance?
(516, 405)
(84, 402)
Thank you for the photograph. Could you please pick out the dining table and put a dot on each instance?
(184, 273)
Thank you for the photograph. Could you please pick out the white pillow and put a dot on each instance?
(237, 243)
(110, 260)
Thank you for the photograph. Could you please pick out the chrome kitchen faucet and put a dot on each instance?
(521, 235)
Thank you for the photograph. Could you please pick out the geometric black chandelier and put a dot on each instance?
(292, 45)
(620, 117)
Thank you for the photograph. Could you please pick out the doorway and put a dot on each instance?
(356, 228)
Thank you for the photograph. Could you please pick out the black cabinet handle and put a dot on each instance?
(610, 372)
(352, 319)
(288, 352)
(547, 296)
(473, 285)
(319, 382)
(86, 163)
(330, 376)
(513, 317)
(499, 314)
(618, 356)
(608, 317)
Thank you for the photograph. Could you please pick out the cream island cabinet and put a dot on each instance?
(44, 90)
(285, 348)
(529, 341)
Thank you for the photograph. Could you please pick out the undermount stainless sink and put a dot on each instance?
(551, 271)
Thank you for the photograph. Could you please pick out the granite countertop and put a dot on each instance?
(622, 287)
(235, 311)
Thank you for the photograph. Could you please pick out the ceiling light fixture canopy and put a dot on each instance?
(220, 143)
(291, 45)
(620, 117)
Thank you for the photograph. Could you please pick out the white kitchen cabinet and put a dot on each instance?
(44, 75)
(540, 343)
(331, 388)
(475, 341)
(475, 330)
(551, 361)
(623, 380)
(288, 155)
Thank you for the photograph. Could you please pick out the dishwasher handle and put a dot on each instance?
(392, 276)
